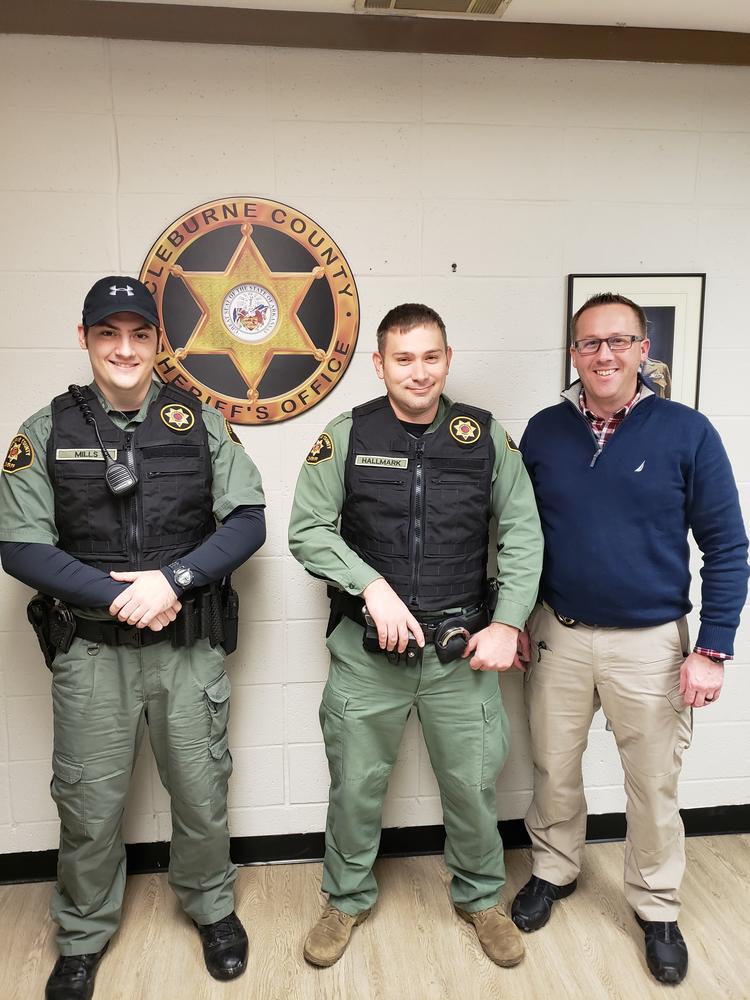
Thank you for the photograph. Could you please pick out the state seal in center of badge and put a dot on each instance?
(250, 313)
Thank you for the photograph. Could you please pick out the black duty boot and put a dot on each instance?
(73, 977)
(666, 951)
(224, 947)
(533, 904)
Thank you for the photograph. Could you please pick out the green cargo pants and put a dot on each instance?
(101, 696)
(365, 706)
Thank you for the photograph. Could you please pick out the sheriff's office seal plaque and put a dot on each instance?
(259, 310)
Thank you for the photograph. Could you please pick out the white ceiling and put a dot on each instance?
(716, 15)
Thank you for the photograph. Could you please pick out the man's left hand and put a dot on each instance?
(700, 680)
(148, 596)
(494, 648)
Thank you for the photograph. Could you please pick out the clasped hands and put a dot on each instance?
(149, 601)
(496, 647)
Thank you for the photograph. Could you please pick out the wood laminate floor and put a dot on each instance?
(413, 947)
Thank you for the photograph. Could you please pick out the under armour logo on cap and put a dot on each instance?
(118, 293)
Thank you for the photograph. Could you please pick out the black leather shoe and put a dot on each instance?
(73, 977)
(224, 947)
(666, 951)
(533, 904)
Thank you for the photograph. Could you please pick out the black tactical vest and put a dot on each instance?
(418, 510)
(170, 512)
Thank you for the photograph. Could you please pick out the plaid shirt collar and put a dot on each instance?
(604, 427)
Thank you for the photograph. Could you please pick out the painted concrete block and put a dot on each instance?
(257, 715)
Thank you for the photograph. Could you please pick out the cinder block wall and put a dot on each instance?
(516, 171)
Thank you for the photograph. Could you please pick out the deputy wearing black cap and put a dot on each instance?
(127, 504)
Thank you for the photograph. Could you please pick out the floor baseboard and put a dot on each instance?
(41, 866)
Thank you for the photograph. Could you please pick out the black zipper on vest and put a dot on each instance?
(174, 472)
(416, 551)
(132, 505)
(385, 482)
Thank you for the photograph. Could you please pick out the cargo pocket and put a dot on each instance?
(67, 792)
(89, 795)
(332, 711)
(684, 723)
(494, 739)
(217, 701)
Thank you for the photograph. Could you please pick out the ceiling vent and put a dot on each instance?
(440, 8)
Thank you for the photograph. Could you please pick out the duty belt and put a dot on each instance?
(209, 612)
(199, 618)
(448, 632)
(113, 634)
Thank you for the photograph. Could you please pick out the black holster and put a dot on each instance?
(339, 602)
(230, 614)
(411, 656)
(53, 625)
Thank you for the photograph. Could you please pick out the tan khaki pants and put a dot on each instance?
(634, 675)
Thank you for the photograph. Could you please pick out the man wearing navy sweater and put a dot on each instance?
(620, 475)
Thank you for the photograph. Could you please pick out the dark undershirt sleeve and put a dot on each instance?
(234, 541)
(52, 571)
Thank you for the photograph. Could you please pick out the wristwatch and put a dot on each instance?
(716, 659)
(183, 575)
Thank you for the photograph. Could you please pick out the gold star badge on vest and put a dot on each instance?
(20, 455)
(465, 430)
(177, 418)
(321, 451)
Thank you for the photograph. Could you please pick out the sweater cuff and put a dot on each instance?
(718, 637)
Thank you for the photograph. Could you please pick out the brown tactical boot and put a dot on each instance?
(328, 939)
(497, 934)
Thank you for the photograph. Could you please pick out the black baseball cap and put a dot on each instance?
(119, 294)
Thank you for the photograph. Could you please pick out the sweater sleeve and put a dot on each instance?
(715, 518)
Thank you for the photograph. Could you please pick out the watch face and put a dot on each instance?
(183, 576)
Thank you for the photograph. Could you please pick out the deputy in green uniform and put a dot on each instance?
(392, 508)
(109, 506)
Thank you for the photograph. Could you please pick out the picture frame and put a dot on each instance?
(673, 304)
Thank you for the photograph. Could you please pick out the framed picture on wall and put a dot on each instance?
(673, 304)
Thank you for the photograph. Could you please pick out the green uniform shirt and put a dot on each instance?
(27, 501)
(315, 541)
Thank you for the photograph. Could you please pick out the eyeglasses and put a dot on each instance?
(621, 342)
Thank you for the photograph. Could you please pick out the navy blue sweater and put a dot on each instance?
(615, 525)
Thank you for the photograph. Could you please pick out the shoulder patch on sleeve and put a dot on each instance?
(321, 451)
(20, 455)
(231, 432)
(510, 443)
